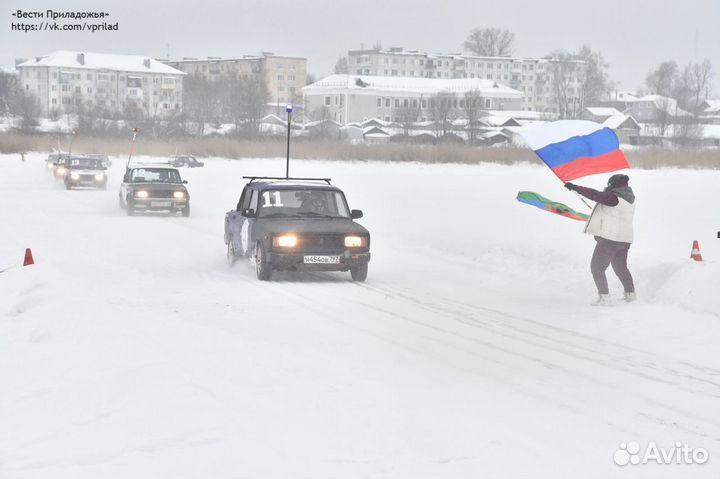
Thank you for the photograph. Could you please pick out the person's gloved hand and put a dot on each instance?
(570, 186)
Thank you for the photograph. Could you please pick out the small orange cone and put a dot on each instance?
(695, 253)
(28, 258)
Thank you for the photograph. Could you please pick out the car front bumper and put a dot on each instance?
(295, 261)
(160, 204)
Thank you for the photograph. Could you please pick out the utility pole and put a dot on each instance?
(288, 109)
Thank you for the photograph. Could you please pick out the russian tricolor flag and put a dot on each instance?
(576, 148)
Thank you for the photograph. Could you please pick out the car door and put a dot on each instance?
(240, 226)
(124, 186)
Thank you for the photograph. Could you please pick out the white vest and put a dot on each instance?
(612, 222)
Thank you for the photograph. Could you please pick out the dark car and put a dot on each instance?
(154, 188)
(52, 159)
(297, 225)
(86, 172)
(186, 160)
(60, 166)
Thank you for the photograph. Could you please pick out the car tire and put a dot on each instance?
(359, 273)
(68, 186)
(262, 266)
(130, 209)
(186, 211)
(231, 257)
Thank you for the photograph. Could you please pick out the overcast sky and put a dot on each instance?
(633, 35)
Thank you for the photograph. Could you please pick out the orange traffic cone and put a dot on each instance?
(28, 258)
(695, 253)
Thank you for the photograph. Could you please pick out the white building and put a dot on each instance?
(531, 76)
(68, 81)
(355, 98)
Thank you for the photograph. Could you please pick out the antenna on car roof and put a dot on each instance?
(285, 178)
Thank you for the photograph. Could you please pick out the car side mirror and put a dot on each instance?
(355, 214)
(248, 212)
(184, 182)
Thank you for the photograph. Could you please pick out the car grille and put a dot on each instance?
(320, 242)
(87, 177)
(160, 193)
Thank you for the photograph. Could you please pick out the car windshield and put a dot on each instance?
(155, 175)
(302, 203)
(84, 164)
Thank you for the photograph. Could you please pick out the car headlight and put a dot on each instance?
(61, 170)
(179, 195)
(355, 241)
(141, 194)
(285, 241)
(75, 176)
(99, 177)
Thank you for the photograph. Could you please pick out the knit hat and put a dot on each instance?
(618, 180)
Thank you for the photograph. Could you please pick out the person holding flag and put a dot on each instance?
(611, 223)
(576, 148)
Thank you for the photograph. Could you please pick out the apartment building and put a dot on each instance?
(285, 75)
(70, 81)
(354, 98)
(531, 76)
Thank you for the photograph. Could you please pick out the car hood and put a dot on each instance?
(81, 171)
(159, 186)
(312, 225)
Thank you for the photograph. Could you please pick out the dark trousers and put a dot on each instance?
(608, 252)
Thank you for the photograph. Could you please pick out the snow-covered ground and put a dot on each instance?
(131, 349)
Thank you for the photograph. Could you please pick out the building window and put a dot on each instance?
(379, 102)
(387, 102)
(54, 101)
(397, 103)
(424, 103)
(89, 90)
(488, 104)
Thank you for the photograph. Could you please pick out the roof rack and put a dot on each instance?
(254, 178)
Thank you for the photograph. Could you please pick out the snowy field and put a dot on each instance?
(131, 349)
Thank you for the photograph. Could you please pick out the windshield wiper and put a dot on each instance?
(278, 215)
(313, 213)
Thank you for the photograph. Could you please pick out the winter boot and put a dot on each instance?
(630, 296)
(603, 300)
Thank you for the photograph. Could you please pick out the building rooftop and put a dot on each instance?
(101, 61)
(360, 83)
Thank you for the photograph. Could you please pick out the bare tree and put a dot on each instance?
(254, 98)
(664, 79)
(408, 112)
(697, 77)
(473, 106)
(490, 42)
(341, 65)
(561, 69)
(593, 77)
(442, 112)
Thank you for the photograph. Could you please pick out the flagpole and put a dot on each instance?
(576, 193)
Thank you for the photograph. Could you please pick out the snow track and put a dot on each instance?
(132, 349)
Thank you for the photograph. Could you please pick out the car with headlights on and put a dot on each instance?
(154, 188)
(84, 172)
(60, 167)
(297, 224)
(52, 160)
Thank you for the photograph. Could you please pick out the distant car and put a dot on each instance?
(297, 225)
(52, 159)
(154, 188)
(60, 167)
(84, 172)
(186, 160)
(102, 157)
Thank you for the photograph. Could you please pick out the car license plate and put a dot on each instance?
(321, 259)
(159, 204)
